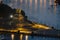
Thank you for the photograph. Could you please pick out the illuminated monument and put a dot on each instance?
(14, 18)
(9, 16)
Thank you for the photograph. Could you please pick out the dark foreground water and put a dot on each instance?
(24, 37)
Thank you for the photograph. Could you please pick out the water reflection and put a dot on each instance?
(12, 36)
(26, 37)
(35, 4)
(6, 36)
(30, 2)
(40, 3)
(21, 1)
(50, 3)
(44, 3)
(21, 37)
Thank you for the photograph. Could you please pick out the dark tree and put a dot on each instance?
(5, 10)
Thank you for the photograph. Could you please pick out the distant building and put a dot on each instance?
(11, 17)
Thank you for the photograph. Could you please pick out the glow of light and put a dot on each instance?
(23, 30)
(18, 10)
(1, 29)
(54, 3)
(41, 3)
(44, 3)
(11, 16)
(50, 2)
(30, 2)
(35, 4)
(26, 37)
(12, 36)
(41, 26)
(21, 37)
(26, 32)
(21, 1)
(12, 30)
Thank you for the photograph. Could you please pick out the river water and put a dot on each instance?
(40, 11)
(24, 37)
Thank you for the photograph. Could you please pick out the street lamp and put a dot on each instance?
(11, 16)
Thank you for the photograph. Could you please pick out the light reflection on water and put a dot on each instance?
(26, 37)
(44, 3)
(12, 36)
(21, 37)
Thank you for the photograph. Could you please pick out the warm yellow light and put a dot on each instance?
(26, 37)
(21, 37)
(13, 30)
(40, 26)
(23, 30)
(18, 10)
(1, 29)
(19, 25)
(12, 36)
